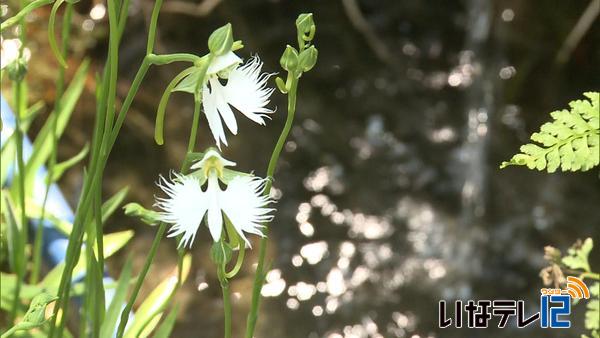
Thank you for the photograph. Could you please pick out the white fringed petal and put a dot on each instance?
(245, 206)
(184, 208)
(246, 90)
(242, 201)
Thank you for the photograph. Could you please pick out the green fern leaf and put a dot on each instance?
(570, 142)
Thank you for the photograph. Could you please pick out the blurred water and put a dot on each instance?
(389, 194)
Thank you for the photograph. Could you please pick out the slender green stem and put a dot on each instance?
(9, 332)
(140, 280)
(226, 301)
(153, 25)
(98, 161)
(20, 266)
(113, 50)
(164, 59)
(591, 275)
(60, 84)
(23, 232)
(162, 105)
(194, 129)
(52, 35)
(260, 273)
(26, 10)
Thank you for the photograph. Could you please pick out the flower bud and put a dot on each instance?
(289, 59)
(17, 69)
(221, 40)
(305, 23)
(221, 252)
(308, 58)
(147, 216)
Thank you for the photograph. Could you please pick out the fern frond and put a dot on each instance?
(570, 142)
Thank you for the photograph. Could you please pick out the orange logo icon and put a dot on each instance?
(576, 288)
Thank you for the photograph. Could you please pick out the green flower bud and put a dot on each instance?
(221, 40)
(305, 23)
(221, 252)
(17, 69)
(308, 58)
(289, 59)
(147, 216)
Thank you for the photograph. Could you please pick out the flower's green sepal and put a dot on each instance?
(189, 83)
(149, 217)
(232, 235)
(221, 252)
(221, 40)
(281, 85)
(308, 58)
(289, 59)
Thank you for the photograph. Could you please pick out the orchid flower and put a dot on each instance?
(242, 202)
(246, 90)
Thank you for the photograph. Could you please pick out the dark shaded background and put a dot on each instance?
(390, 194)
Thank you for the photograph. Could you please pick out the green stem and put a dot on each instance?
(194, 129)
(23, 12)
(165, 59)
(162, 105)
(140, 280)
(152, 28)
(591, 275)
(260, 273)
(20, 266)
(98, 162)
(9, 332)
(226, 301)
(19, 111)
(60, 84)
(52, 34)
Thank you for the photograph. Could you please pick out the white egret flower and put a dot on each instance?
(186, 205)
(246, 90)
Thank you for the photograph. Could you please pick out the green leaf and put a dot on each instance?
(16, 249)
(111, 205)
(9, 283)
(112, 243)
(114, 309)
(60, 168)
(593, 313)
(164, 330)
(42, 146)
(578, 255)
(146, 315)
(570, 142)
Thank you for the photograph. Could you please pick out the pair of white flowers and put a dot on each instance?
(242, 202)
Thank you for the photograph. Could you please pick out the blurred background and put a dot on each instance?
(390, 196)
